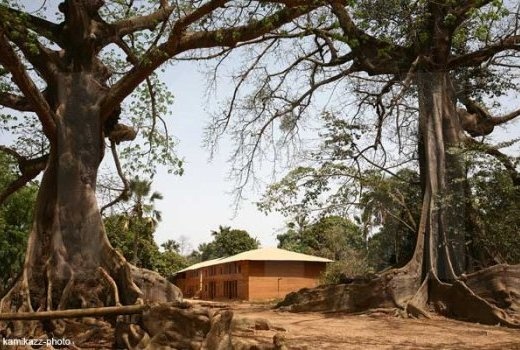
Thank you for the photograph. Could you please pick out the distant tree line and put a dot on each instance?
(381, 236)
(383, 233)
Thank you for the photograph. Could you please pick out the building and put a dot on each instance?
(260, 274)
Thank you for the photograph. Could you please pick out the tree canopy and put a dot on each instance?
(417, 84)
(226, 242)
(80, 78)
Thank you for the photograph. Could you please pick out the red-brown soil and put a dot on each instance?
(377, 330)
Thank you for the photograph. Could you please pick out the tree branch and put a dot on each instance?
(181, 41)
(11, 62)
(13, 153)
(480, 56)
(29, 168)
(501, 157)
(373, 55)
(463, 11)
(41, 58)
(15, 102)
(43, 27)
(14, 186)
(133, 24)
(126, 188)
(505, 118)
(485, 116)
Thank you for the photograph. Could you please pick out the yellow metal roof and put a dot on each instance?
(262, 254)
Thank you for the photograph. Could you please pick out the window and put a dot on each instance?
(231, 289)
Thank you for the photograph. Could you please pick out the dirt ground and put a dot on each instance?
(312, 331)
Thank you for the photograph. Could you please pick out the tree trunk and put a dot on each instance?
(69, 261)
(443, 176)
(435, 276)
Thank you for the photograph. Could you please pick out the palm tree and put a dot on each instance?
(144, 217)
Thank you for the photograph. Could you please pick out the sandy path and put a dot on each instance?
(312, 331)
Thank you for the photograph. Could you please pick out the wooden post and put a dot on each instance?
(74, 313)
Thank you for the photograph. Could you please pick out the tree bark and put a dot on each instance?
(69, 261)
(444, 176)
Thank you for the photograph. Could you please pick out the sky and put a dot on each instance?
(199, 201)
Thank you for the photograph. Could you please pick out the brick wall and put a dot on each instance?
(275, 279)
(249, 280)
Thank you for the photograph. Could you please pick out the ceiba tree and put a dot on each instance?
(60, 73)
(428, 65)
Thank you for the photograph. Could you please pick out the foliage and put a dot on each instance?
(226, 242)
(357, 264)
(171, 246)
(122, 237)
(143, 217)
(497, 202)
(386, 206)
(329, 237)
(15, 222)
(390, 217)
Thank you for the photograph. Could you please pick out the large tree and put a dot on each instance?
(419, 75)
(73, 71)
(226, 242)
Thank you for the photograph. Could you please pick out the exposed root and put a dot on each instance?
(153, 286)
(49, 289)
(112, 283)
(417, 306)
(116, 282)
(66, 293)
(458, 301)
(490, 296)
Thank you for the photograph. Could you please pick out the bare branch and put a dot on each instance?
(180, 41)
(11, 62)
(479, 120)
(137, 23)
(506, 118)
(477, 57)
(126, 188)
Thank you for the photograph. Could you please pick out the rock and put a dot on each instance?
(155, 287)
(279, 342)
(219, 336)
(169, 325)
(257, 324)
(261, 324)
